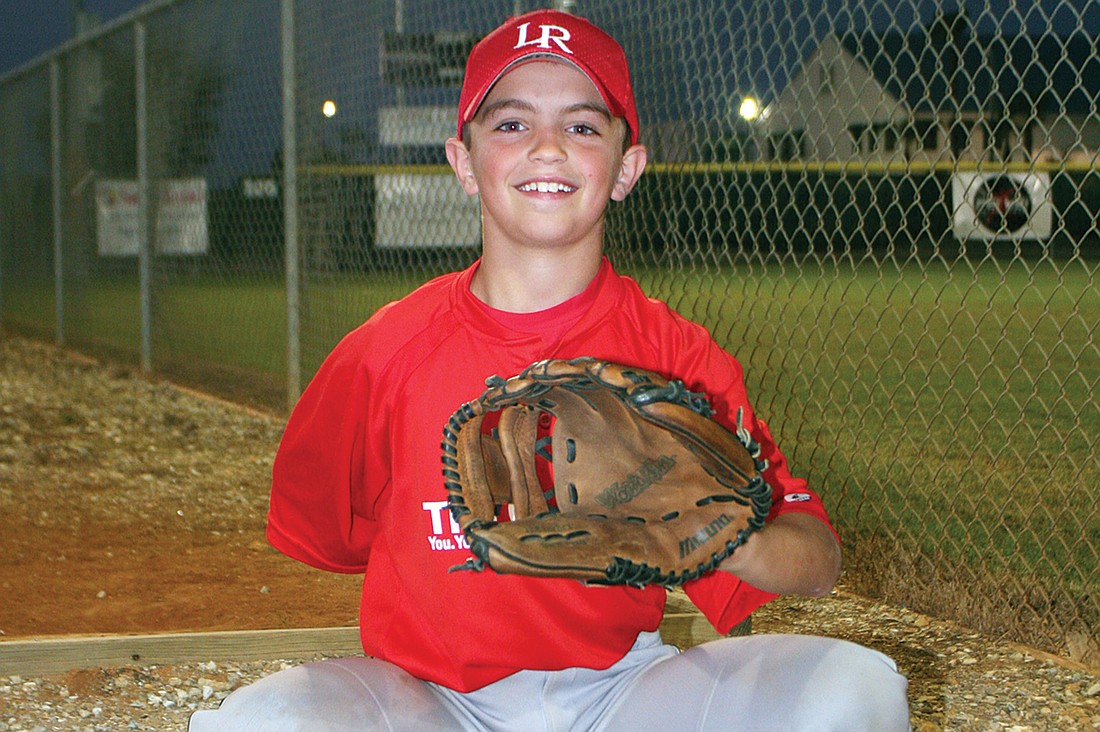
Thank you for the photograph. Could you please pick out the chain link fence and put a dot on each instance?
(890, 212)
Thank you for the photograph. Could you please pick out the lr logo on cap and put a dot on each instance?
(550, 34)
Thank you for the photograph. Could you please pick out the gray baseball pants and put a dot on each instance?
(761, 682)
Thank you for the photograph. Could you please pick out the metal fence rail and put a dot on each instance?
(890, 212)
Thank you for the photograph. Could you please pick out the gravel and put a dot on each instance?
(128, 698)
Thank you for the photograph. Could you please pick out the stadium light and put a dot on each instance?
(750, 108)
(328, 108)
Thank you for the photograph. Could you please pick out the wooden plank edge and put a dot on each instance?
(687, 630)
(53, 655)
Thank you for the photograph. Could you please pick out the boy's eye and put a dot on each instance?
(510, 126)
(583, 129)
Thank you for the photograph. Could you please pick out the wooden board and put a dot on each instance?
(57, 655)
(682, 626)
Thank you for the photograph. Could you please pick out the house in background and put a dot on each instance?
(938, 95)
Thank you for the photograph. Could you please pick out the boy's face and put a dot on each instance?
(545, 156)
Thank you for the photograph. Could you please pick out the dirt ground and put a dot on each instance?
(130, 505)
(133, 506)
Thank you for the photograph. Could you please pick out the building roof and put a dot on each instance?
(948, 67)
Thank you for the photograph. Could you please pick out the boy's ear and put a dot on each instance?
(634, 160)
(459, 158)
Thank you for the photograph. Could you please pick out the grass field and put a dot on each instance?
(951, 407)
(954, 408)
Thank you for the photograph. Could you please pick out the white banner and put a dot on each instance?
(1001, 206)
(116, 218)
(423, 210)
(181, 217)
(415, 125)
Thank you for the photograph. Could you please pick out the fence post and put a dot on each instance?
(290, 207)
(55, 201)
(1, 272)
(146, 204)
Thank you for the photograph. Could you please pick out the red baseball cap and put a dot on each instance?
(557, 34)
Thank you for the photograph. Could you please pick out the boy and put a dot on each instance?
(547, 135)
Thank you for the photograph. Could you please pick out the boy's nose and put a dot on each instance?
(547, 147)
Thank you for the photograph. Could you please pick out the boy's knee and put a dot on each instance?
(797, 682)
(340, 694)
(858, 688)
(287, 700)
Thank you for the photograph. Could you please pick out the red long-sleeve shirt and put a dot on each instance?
(358, 487)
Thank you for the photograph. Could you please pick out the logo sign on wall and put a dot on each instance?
(1001, 206)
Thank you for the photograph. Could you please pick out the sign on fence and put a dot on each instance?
(417, 125)
(181, 227)
(1001, 206)
(424, 210)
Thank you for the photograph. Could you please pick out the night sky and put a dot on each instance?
(29, 28)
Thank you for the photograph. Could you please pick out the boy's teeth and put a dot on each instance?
(547, 187)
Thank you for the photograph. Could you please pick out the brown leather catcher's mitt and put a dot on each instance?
(646, 488)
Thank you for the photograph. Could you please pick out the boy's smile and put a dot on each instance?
(543, 186)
